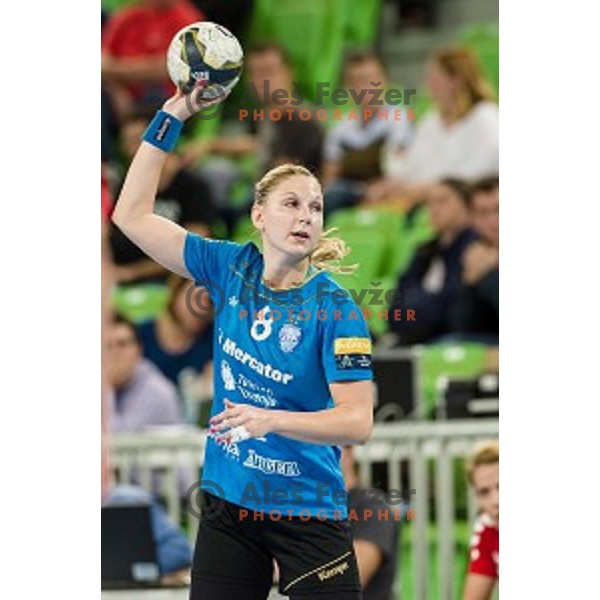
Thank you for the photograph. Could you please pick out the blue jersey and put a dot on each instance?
(277, 350)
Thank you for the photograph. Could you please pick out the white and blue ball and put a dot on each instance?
(205, 51)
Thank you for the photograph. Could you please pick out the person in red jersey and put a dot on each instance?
(483, 473)
(134, 48)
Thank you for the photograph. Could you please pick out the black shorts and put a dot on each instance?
(233, 558)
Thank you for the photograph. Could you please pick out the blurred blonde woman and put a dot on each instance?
(458, 138)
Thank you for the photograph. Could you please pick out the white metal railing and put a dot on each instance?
(399, 445)
(413, 445)
(167, 457)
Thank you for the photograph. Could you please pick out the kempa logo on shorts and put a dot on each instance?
(272, 466)
(329, 573)
(265, 369)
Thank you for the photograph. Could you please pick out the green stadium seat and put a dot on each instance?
(412, 234)
(362, 21)
(361, 218)
(385, 232)
(381, 222)
(301, 28)
(315, 33)
(369, 253)
(483, 39)
(245, 232)
(140, 302)
(112, 5)
(448, 360)
(401, 235)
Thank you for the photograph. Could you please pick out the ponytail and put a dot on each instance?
(329, 253)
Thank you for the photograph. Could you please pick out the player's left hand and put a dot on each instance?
(256, 421)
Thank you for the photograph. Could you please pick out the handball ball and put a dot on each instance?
(205, 51)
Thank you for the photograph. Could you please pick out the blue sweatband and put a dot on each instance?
(163, 131)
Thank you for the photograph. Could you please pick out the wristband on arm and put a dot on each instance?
(163, 132)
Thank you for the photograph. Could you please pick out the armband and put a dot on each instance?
(163, 132)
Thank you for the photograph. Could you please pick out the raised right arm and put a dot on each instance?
(160, 238)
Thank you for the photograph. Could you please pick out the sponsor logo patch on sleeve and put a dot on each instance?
(353, 361)
(352, 345)
(352, 353)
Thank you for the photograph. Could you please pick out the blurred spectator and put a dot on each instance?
(290, 139)
(181, 338)
(173, 550)
(108, 117)
(233, 14)
(106, 203)
(135, 40)
(106, 199)
(354, 149)
(375, 538)
(433, 277)
(476, 307)
(268, 69)
(183, 197)
(458, 139)
(287, 140)
(143, 396)
(484, 476)
(109, 123)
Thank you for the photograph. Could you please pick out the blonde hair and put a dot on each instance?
(329, 251)
(462, 64)
(486, 454)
